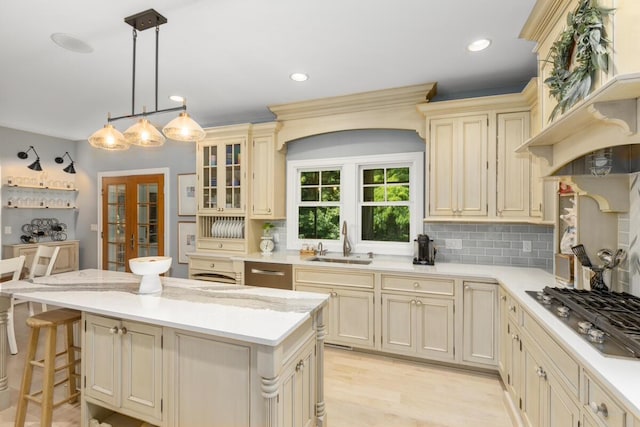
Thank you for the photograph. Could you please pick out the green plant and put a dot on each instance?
(267, 227)
(581, 51)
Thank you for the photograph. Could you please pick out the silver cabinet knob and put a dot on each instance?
(114, 330)
(515, 337)
(418, 302)
(503, 297)
(413, 301)
(599, 409)
(212, 265)
(122, 331)
(300, 366)
(416, 284)
(334, 294)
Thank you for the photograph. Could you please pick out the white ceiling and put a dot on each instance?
(232, 58)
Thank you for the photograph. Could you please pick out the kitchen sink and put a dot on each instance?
(341, 260)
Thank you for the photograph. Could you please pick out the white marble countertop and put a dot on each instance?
(251, 314)
(621, 375)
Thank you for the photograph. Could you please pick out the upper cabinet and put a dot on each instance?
(607, 116)
(222, 170)
(267, 173)
(474, 172)
(458, 166)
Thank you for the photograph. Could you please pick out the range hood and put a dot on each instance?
(607, 118)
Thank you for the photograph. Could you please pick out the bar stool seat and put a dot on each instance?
(49, 321)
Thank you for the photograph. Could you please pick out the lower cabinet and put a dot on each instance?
(351, 315)
(68, 256)
(297, 402)
(480, 323)
(418, 326)
(122, 363)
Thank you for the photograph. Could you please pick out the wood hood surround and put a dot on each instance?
(381, 109)
(609, 116)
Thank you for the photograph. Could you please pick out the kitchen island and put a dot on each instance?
(199, 353)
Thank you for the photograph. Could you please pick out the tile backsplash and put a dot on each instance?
(493, 244)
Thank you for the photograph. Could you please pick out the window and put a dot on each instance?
(381, 199)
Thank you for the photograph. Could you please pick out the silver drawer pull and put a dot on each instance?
(267, 272)
(599, 409)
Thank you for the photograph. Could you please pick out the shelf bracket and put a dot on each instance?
(622, 113)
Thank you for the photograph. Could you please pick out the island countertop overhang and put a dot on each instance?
(261, 316)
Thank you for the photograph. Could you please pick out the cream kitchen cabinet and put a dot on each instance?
(215, 268)
(221, 168)
(297, 402)
(268, 167)
(122, 367)
(351, 315)
(418, 326)
(458, 160)
(513, 169)
(480, 323)
(510, 347)
(351, 306)
(68, 256)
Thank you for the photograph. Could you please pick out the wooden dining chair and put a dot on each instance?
(12, 266)
(42, 265)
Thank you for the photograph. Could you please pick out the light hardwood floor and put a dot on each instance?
(360, 390)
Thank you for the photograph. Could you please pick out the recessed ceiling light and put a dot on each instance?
(72, 43)
(177, 98)
(299, 77)
(478, 45)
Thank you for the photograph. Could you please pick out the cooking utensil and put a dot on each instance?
(581, 254)
(606, 256)
(620, 255)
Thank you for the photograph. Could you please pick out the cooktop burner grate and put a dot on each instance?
(615, 313)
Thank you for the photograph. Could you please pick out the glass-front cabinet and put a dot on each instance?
(222, 172)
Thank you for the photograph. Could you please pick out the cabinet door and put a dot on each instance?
(268, 167)
(503, 335)
(399, 324)
(350, 314)
(480, 323)
(297, 393)
(101, 359)
(442, 167)
(142, 368)
(471, 169)
(513, 169)
(513, 361)
(533, 389)
(221, 175)
(435, 338)
(560, 409)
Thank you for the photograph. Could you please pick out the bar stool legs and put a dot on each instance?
(49, 321)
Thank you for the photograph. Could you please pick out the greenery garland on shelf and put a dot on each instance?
(581, 51)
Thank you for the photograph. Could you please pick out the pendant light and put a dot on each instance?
(143, 133)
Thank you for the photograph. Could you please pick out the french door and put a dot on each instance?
(132, 219)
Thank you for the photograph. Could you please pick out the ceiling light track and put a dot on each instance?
(143, 133)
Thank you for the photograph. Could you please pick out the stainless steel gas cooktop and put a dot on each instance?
(609, 321)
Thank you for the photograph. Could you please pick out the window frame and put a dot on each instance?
(351, 200)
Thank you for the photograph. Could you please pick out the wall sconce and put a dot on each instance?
(35, 166)
(70, 168)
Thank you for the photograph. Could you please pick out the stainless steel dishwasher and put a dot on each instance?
(268, 275)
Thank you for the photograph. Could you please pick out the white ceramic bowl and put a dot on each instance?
(150, 268)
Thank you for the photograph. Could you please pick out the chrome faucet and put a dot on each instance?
(346, 245)
(321, 250)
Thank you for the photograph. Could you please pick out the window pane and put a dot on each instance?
(309, 178)
(398, 175)
(309, 194)
(330, 177)
(373, 176)
(373, 194)
(385, 223)
(398, 193)
(331, 194)
(319, 223)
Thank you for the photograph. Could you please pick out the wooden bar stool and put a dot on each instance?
(49, 320)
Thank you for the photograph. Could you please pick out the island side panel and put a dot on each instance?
(321, 333)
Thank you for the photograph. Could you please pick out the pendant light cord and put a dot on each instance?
(133, 82)
(157, 49)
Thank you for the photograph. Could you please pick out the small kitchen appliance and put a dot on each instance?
(424, 250)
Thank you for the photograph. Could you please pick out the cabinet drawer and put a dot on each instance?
(602, 406)
(418, 284)
(221, 245)
(568, 369)
(211, 264)
(335, 277)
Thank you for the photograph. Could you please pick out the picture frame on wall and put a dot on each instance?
(186, 240)
(187, 202)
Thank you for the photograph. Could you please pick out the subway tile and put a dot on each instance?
(476, 251)
(469, 243)
(493, 252)
(519, 261)
(501, 244)
(539, 245)
(459, 235)
(485, 244)
(485, 260)
(501, 260)
(468, 227)
(538, 262)
(519, 228)
(511, 236)
(479, 236)
(511, 252)
(469, 259)
(494, 236)
(529, 236)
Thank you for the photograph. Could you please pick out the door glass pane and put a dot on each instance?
(116, 227)
(147, 209)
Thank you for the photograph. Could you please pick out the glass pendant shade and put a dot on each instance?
(183, 128)
(108, 138)
(144, 134)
